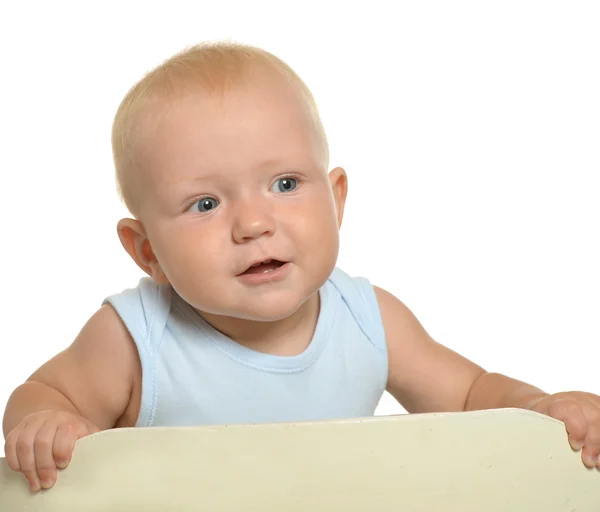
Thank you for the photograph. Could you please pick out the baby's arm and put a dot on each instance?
(83, 389)
(425, 376)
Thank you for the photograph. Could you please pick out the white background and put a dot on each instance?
(469, 130)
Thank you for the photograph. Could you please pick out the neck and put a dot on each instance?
(286, 337)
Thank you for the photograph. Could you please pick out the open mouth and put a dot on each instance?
(263, 267)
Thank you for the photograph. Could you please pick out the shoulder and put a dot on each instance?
(144, 295)
(405, 334)
(373, 302)
(400, 323)
(353, 289)
(143, 309)
(358, 295)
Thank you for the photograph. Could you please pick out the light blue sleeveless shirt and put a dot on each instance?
(194, 375)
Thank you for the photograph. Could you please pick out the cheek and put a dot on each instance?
(315, 223)
(183, 249)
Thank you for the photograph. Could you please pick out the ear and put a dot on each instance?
(133, 238)
(339, 187)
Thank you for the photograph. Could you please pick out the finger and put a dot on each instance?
(574, 419)
(591, 448)
(26, 455)
(44, 458)
(10, 449)
(64, 442)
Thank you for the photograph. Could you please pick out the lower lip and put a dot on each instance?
(266, 277)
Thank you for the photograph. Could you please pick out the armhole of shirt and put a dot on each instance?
(144, 310)
(359, 295)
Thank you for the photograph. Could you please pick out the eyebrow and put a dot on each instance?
(272, 162)
(265, 164)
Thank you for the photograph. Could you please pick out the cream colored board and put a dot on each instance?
(496, 461)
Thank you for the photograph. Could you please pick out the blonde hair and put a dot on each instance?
(214, 67)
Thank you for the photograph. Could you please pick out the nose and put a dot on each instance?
(253, 220)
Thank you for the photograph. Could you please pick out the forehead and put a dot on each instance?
(229, 132)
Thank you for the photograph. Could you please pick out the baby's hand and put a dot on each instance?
(43, 442)
(580, 413)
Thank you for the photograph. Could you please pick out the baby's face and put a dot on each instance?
(232, 181)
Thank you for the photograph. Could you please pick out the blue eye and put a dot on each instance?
(205, 204)
(284, 185)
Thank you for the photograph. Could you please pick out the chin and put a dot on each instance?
(271, 310)
(269, 314)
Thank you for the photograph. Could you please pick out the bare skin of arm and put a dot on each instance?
(94, 384)
(425, 376)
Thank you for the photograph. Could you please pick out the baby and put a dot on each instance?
(244, 316)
